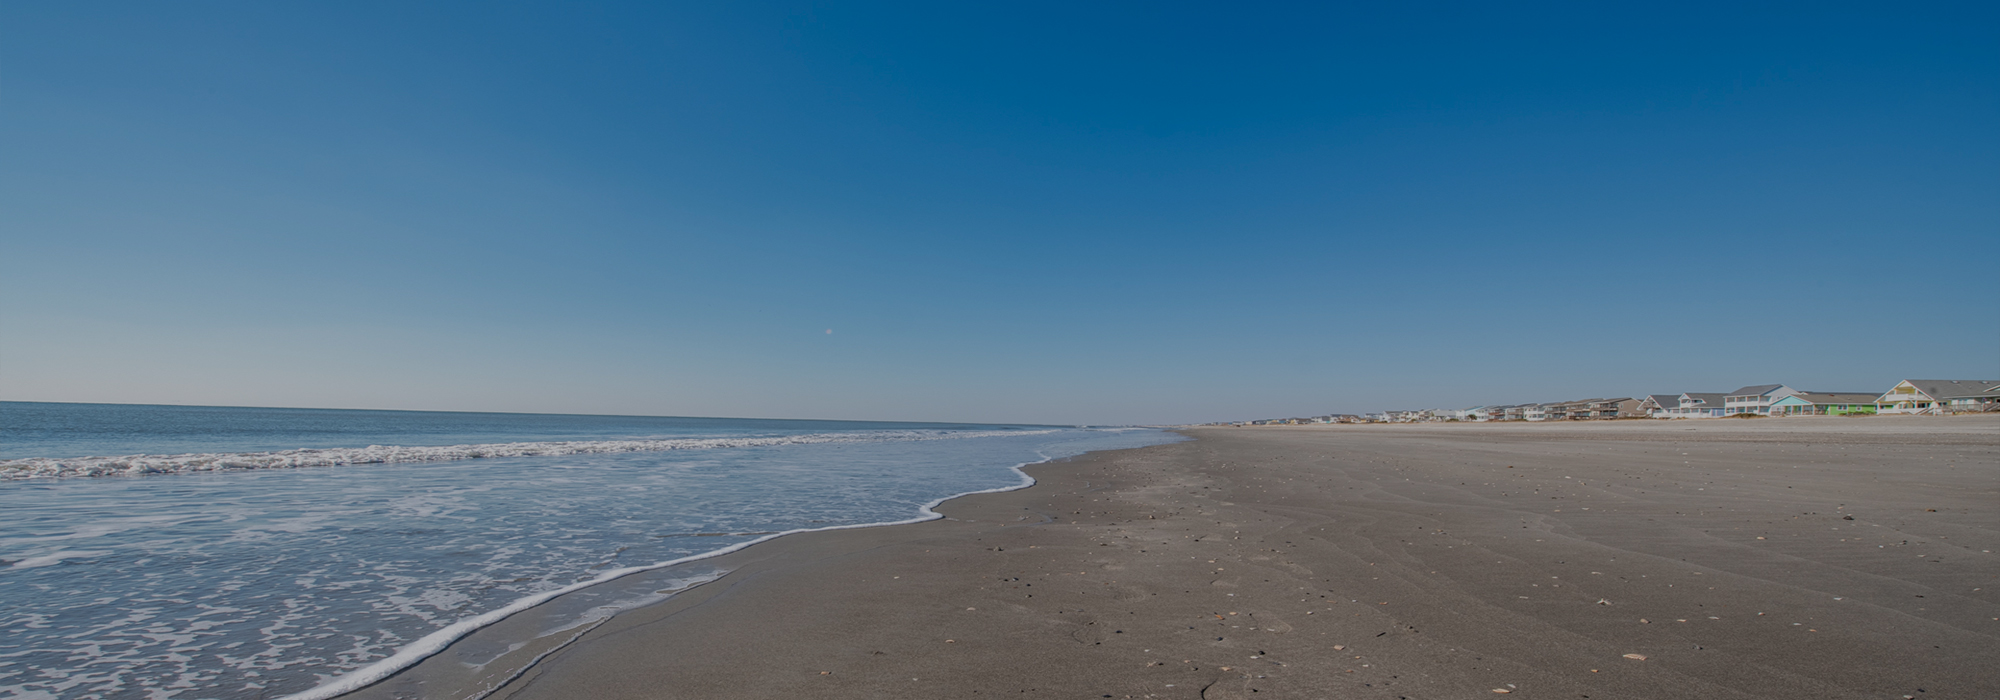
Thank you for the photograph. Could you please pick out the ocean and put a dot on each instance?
(214, 552)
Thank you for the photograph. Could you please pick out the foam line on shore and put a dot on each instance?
(138, 465)
(439, 640)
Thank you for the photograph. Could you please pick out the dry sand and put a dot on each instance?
(1399, 562)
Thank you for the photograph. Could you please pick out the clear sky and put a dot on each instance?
(1060, 212)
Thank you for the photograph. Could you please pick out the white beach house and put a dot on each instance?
(1659, 405)
(1756, 398)
(1935, 396)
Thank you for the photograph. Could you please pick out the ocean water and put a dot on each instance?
(193, 552)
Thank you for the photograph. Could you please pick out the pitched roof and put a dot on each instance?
(1664, 400)
(1705, 399)
(1954, 388)
(1825, 397)
(1757, 389)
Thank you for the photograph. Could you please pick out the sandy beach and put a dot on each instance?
(1774, 558)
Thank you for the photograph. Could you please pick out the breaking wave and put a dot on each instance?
(136, 465)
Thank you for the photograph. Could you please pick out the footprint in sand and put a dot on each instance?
(1272, 625)
(1089, 633)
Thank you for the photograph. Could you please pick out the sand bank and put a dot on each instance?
(1778, 558)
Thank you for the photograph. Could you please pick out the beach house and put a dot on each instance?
(1659, 405)
(1700, 405)
(1756, 398)
(1818, 403)
(1439, 415)
(1935, 396)
(1607, 409)
(1591, 409)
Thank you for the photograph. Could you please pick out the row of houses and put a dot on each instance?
(1581, 409)
(1910, 396)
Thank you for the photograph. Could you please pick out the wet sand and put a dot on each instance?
(1775, 558)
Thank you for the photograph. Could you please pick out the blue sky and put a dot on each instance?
(1024, 212)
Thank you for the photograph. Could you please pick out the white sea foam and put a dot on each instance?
(55, 558)
(134, 465)
(437, 641)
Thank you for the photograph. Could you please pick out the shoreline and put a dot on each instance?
(358, 683)
(1273, 549)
